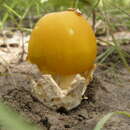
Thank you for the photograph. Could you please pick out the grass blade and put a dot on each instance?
(101, 122)
(12, 121)
(13, 11)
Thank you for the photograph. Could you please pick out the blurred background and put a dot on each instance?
(110, 20)
(24, 13)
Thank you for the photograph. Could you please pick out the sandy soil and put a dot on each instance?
(107, 92)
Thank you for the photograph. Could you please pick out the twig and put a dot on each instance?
(23, 48)
(94, 19)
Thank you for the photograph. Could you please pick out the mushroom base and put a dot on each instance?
(52, 93)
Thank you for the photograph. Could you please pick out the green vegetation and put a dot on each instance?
(10, 120)
(101, 123)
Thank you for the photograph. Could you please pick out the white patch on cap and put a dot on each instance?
(71, 31)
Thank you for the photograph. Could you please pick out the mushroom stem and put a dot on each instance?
(64, 81)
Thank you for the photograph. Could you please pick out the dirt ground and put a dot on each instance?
(109, 91)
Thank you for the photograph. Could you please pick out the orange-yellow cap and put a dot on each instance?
(62, 43)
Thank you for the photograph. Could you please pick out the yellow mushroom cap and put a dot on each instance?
(62, 43)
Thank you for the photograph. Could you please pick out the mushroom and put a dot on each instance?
(63, 46)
